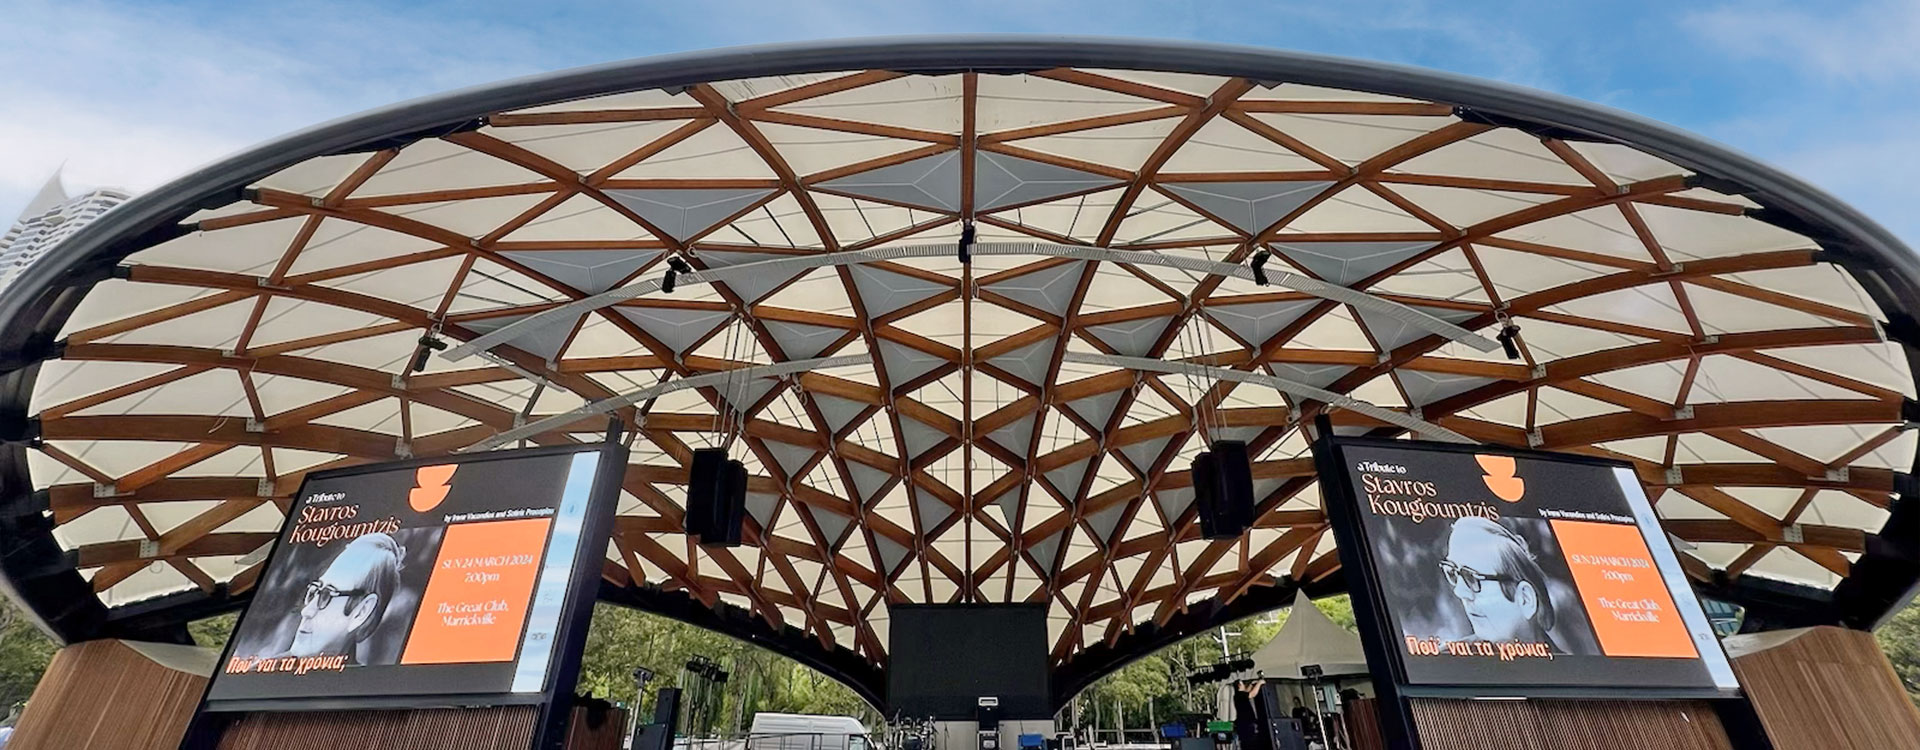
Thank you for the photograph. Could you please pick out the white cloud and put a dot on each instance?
(1849, 129)
(132, 97)
(1871, 41)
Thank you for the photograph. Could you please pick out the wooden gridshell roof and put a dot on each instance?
(1738, 336)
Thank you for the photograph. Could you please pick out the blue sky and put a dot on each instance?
(135, 93)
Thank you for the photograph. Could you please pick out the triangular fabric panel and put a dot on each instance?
(1044, 551)
(761, 507)
(1067, 478)
(1009, 502)
(1391, 333)
(1255, 323)
(1318, 376)
(918, 437)
(792, 458)
(1050, 289)
(1174, 501)
(1145, 452)
(904, 363)
(1248, 206)
(932, 511)
(838, 412)
(750, 287)
(1427, 387)
(1029, 362)
(1131, 338)
(833, 526)
(868, 481)
(743, 394)
(1104, 522)
(685, 212)
(590, 271)
(1001, 180)
(1097, 409)
(884, 291)
(1344, 263)
(802, 341)
(543, 341)
(929, 182)
(1016, 435)
(891, 553)
(679, 328)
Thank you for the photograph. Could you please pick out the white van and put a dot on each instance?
(772, 731)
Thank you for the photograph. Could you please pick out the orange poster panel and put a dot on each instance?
(1631, 609)
(476, 601)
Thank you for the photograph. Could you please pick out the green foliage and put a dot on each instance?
(24, 653)
(1154, 688)
(1900, 638)
(213, 631)
(622, 639)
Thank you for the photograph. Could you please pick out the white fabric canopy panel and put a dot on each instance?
(959, 454)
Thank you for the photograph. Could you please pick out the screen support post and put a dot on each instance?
(1395, 712)
(550, 733)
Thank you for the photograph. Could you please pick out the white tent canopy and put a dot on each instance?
(1309, 638)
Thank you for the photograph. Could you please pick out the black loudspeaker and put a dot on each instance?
(666, 709)
(666, 720)
(716, 497)
(1223, 489)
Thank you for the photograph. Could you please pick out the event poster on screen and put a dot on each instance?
(442, 579)
(1502, 569)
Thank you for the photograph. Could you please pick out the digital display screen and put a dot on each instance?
(446, 581)
(1525, 570)
(947, 657)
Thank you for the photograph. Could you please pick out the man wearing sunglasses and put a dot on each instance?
(1501, 587)
(343, 606)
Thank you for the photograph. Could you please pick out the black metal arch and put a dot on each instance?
(32, 312)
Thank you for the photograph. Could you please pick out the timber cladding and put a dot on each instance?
(107, 695)
(1567, 725)
(1828, 688)
(498, 728)
(501, 728)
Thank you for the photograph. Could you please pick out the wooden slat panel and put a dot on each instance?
(105, 695)
(1828, 688)
(501, 728)
(1567, 725)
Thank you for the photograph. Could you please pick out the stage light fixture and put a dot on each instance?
(675, 267)
(1506, 339)
(1259, 266)
(428, 345)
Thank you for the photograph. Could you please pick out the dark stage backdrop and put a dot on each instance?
(946, 656)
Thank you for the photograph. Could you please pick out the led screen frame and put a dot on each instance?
(576, 580)
(1381, 626)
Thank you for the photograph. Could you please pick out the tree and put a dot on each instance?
(213, 632)
(1900, 638)
(758, 680)
(24, 653)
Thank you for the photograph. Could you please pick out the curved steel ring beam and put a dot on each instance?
(1334, 292)
(1399, 419)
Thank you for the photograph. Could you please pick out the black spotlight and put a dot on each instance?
(428, 345)
(675, 267)
(1259, 266)
(1506, 339)
(966, 243)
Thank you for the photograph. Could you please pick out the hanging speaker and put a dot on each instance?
(716, 497)
(733, 507)
(1223, 489)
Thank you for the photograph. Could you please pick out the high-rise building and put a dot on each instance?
(52, 216)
